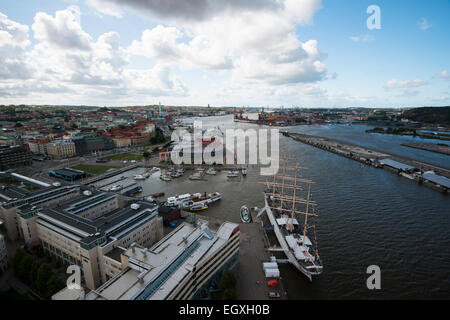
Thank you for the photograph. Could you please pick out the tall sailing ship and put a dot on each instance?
(292, 214)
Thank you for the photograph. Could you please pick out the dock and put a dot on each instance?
(109, 174)
(438, 148)
(375, 158)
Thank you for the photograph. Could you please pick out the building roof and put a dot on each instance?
(9, 192)
(162, 267)
(396, 164)
(113, 225)
(440, 180)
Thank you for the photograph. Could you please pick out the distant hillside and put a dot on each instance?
(435, 115)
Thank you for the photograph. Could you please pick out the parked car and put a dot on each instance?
(274, 295)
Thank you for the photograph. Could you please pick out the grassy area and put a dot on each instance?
(125, 156)
(94, 168)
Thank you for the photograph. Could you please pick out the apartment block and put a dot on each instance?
(184, 265)
(14, 200)
(61, 149)
(11, 157)
(95, 244)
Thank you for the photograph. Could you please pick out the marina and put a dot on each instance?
(350, 212)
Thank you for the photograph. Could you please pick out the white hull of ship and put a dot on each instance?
(282, 241)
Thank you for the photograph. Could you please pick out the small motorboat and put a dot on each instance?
(214, 197)
(211, 171)
(199, 207)
(146, 175)
(116, 187)
(139, 177)
(195, 176)
(170, 169)
(165, 177)
(244, 171)
(233, 174)
(154, 169)
(245, 215)
(176, 174)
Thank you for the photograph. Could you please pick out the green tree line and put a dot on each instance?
(37, 276)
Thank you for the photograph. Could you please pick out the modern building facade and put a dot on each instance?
(14, 200)
(183, 265)
(93, 244)
(14, 156)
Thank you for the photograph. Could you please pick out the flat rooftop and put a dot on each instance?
(165, 264)
(114, 224)
(396, 164)
(9, 192)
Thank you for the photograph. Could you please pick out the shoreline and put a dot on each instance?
(371, 157)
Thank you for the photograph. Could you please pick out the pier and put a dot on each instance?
(109, 174)
(408, 168)
(438, 148)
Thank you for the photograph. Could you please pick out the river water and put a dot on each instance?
(367, 216)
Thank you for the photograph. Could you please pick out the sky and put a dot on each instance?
(270, 53)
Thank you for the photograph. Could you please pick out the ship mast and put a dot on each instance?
(306, 215)
(293, 200)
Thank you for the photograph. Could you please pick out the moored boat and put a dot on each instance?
(245, 214)
(199, 206)
(165, 177)
(176, 174)
(195, 176)
(211, 171)
(116, 187)
(139, 177)
(233, 174)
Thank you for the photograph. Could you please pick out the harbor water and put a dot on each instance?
(367, 216)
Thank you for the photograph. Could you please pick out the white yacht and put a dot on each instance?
(116, 187)
(233, 173)
(211, 171)
(139, 177)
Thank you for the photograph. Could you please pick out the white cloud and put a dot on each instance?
(259, 46)
(402, 84)
(186, 10)
(13, 43)
(251, 44)
(443, 75)
(363, 38)
(68, 61)
(423, 25)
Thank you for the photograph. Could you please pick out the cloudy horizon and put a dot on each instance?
(270, 53)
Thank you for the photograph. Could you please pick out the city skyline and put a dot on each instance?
(267, 53)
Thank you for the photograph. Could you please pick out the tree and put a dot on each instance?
(54, 284)
(34, 271)
(17, 258)
(44, 273)
(25, 266)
